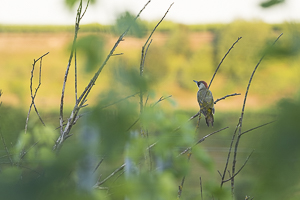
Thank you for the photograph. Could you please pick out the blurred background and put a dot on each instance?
(188, 45)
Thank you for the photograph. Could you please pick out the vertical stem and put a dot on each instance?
(75, 76)
(241, 118)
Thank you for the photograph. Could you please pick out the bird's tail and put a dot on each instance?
(209, 118)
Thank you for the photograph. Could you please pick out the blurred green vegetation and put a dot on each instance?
(125, 20)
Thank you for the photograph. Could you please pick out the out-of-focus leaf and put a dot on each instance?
(137, 27)
(270, 3)
(92, 47)
(278, 161)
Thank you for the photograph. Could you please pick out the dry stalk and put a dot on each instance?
(33, 94)
(241, 118)
(6, 149)
(222, 61)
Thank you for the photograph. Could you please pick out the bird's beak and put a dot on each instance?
(195, 81)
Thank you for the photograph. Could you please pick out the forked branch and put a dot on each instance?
(33, 94)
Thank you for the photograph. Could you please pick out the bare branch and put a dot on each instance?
(257, 127)
(231, 177)
(229, 95)
(248, 87)
(201, 140)
(108, 177)
(223, 60)
(24, 152)
(6, 149)
(75, 75)
(229, 153)
(242, 115)
(33, 94)
(194, 116)
(157, 25)
(133, 124)
(119, 100)
(182, 182)
(98, 165)
(85, 9)
(161, 99)
(117, 54)
(201, 188)
(143, 57)
(220, 173)
(78, 18)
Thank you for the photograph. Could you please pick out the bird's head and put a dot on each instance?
(201, 84)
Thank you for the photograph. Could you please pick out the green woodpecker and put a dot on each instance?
(206, 102)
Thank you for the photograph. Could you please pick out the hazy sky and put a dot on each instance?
(183, 11)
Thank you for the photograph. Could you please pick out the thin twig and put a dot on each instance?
(229, 153)
(231, 177)
(142, 62)
(201, 188)
(242, 115)
(6, 149)
(98, 165)
(157, 25)
(161, 99)
(194, 116)
(201, 140)
(24, 152)
(75, 75)
(61, 115)
(146, 100)
(76, 119)
(119, 100)
(219, 173)
(257, 127)
(117, 54)
(223, 60)
(180, 188)
(144, 57)
(133, 124)
(108, 177)
(33, 95)
(85, 9)
(229, 95)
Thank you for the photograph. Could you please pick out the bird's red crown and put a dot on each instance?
(203, 83)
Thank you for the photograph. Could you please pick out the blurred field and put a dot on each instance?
(177, 55)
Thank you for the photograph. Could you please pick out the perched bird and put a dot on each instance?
(206, 102)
